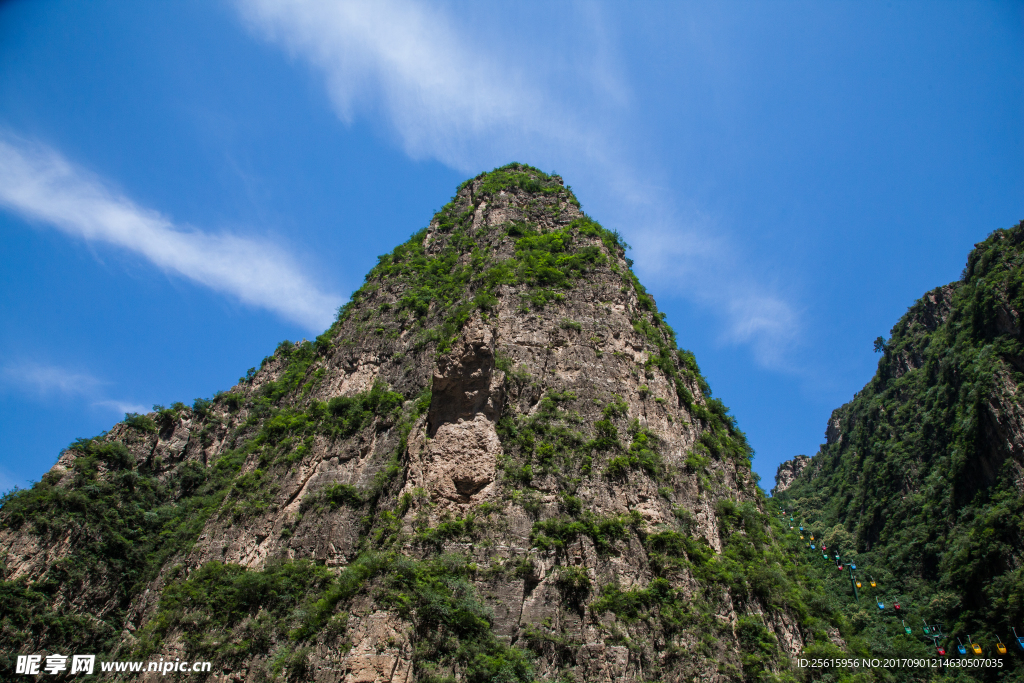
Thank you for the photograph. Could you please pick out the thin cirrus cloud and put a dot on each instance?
(446, 98)
(672, 258)
(45, 380)
(451, 97)
(42, 186)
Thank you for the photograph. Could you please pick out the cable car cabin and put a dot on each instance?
(801, 537)
(812, 546)
(858, 584)
(941, 651)
(960, 647)
(976, 648)
(801, 528)
(927, 631)
(872, 583)
(812, 537)
(896, 607)
(824, 556)
(909, 630)
(853, 566)
(1000, 648)
(881, 606)
(1020, 639)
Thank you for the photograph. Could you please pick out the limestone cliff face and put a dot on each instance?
(494, 465)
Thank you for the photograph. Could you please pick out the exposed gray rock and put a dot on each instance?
(788, 471)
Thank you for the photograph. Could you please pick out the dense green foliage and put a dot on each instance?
(922, 489)
(228, 613)
(122, 526)
(124, 520)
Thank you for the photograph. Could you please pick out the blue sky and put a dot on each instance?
(183, 185)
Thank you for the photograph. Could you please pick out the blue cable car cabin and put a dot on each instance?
(1020, 639)
(881, 606)
(961, 648)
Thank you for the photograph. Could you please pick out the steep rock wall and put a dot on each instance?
(496, 463)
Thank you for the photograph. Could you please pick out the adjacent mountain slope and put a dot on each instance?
(921, 480)
(495, 465)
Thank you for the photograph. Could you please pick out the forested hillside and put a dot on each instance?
(921, 481)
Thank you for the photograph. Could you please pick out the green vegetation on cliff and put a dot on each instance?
(920, 483)
(312, 473)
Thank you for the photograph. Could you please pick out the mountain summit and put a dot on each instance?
(495, 465)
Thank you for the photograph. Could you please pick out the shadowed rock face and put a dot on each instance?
(496, 457)
(464, 383)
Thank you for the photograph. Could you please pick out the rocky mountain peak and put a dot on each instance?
(496, 463)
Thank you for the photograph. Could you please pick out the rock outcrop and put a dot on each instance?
(788, 471)
(495, 465)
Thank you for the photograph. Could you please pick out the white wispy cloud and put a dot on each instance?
(44, 380)
(445, 96)
(691, 258)
(452, 91)
(122, 406)
(41, 185)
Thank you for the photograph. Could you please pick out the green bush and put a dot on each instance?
(140, 422)
(574, 584)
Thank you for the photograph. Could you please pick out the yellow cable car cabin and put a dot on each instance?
(975, 647)
(858, 584)
(873, 584)
(1001, 648)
